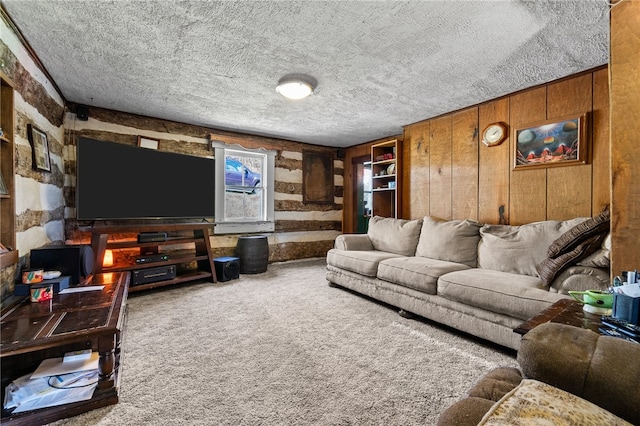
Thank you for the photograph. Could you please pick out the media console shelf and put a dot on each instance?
(194, 235)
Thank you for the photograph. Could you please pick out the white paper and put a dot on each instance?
(69, 290)
(25, 394)
(56, 366)
(632, 290)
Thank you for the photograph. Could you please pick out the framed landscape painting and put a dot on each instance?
(551, 143)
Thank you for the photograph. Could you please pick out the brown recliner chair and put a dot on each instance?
(601, 369)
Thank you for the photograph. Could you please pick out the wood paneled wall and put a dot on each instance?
(625, 136)
(450, 174)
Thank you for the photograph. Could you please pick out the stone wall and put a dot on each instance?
(39, 195)
(301, 230)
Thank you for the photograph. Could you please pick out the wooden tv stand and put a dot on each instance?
(190, 233)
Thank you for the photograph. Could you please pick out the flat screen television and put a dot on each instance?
(118, 181)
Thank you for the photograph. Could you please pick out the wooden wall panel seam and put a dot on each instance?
(504, 195)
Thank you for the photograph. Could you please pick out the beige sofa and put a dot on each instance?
(567, 375)
(481, 279)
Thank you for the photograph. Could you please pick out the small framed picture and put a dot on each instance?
(146, 142)
(39, 149)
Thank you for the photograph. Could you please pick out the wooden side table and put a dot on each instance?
(32, 332)
(564, 311)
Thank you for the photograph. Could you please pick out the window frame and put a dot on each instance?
(267, 223)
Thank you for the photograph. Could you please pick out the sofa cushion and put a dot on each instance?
(418, 273)
(518, 296)
(353, 242)
(601, 257)
(569, 240)
(519, 249)
(362, 262)
(581, 278)
(397, 236)
(452, 240)
(549, 268)
(540, 403)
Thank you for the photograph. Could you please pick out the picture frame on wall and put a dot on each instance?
(41, 158)
(146, 142)
(317, 178)
(551, 143)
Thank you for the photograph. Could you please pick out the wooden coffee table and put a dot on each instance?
(32, 332)
(564, 311)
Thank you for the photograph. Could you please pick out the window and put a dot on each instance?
(244, 189)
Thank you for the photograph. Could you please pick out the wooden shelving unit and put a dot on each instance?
(385, 175)
(7, 165)
(195, 235)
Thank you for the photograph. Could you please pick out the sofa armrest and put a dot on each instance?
(581, 278)
(600, 369)
(465, 412)
(359, 242)
(487, 391)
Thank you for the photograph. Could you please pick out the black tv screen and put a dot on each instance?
(118, 181)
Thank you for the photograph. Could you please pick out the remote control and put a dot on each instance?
(622, 329)
(610, 332)
(614, 333)
(628, 332)
(615, 322)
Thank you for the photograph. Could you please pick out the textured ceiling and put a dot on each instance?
(380, 65)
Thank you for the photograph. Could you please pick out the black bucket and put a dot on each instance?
(253, 252)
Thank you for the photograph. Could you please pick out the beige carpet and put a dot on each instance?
(284, 348)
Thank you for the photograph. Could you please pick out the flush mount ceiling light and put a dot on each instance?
(296, 86)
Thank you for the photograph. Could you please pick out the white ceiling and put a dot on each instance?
(380, 65)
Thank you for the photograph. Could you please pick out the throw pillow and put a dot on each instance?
(519, 249)
(601, 257)
(592, 226)
(549, 268)
(451, 241)
(399, 236)
(536, 402)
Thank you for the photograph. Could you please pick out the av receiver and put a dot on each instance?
(148, 258)
(151, 275)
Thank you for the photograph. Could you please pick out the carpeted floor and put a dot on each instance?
(284, 348)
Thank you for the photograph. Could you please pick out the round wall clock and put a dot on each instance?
(494, 134)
